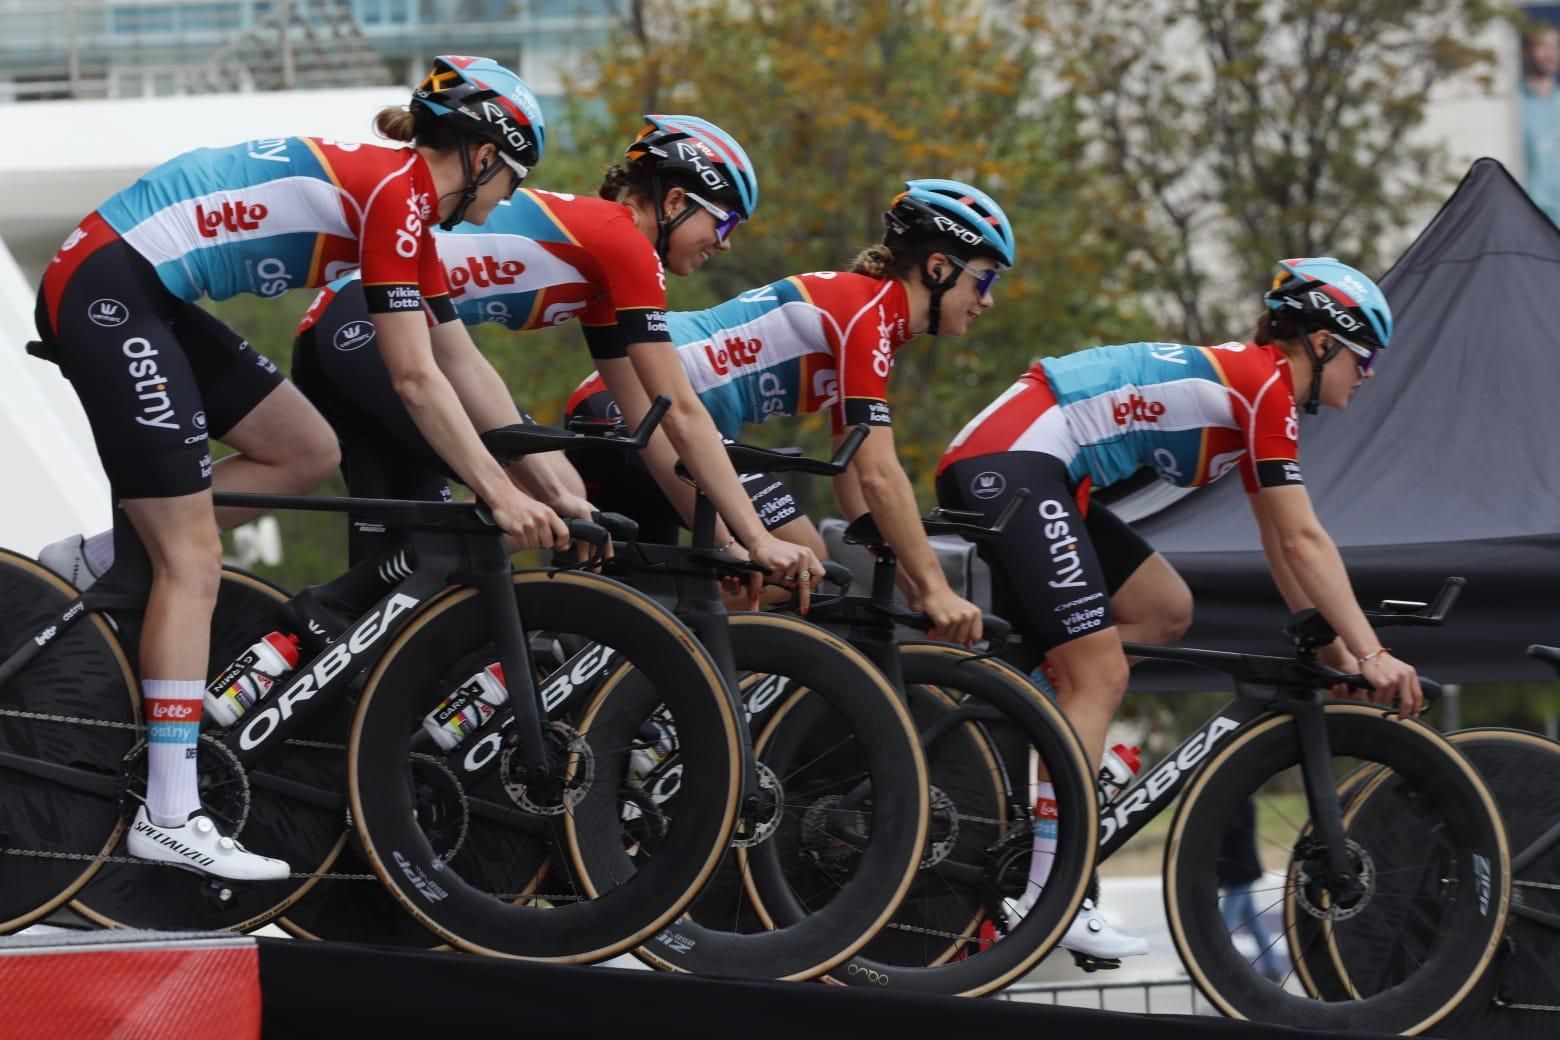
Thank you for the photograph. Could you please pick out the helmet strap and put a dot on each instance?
(1318, 362)
(934, 301)
(664, 226)
(474, 181)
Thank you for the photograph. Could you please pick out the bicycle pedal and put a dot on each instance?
(1093, 964)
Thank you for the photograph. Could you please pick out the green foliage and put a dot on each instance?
(1264, 129)
(837, 104)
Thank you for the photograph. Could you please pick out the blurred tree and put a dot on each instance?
(1258, 129)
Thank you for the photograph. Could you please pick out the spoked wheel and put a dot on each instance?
(509, 886)
(985, 731)
(1411, 924)
(295, 809)
(841, 818)
(77, 706)
(1518, 997)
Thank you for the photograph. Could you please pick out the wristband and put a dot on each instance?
(1373, 655)
(728, 545)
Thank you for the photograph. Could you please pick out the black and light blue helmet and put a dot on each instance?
(1323, 293)
(481, 97)
(703, 154)
(953, 209)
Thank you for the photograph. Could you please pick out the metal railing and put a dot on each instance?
(1176, 995)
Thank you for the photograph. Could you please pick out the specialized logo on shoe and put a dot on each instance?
(110, 314)
(168, 841)
(988, 485)
(353, 335)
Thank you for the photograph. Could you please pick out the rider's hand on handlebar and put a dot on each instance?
(529, 524)
(955, 619)
(574, 507)
(1336, 656)
(790, 565)
(1394, 680)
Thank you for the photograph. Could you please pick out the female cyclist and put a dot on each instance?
(542, 259)
(827, 341)
(1077, 581)
(157, 375)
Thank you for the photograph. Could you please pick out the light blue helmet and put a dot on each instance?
(484, 99)
(700, 153)
(1324, 293)
(951, 209)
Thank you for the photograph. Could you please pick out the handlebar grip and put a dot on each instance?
(848, 446)
(996, 629)
(1448, 595)
(653, 416)
(838, 573)
(620, 527)
(585, 531)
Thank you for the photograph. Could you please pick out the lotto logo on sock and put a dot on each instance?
(173, 711)
(1045, 818)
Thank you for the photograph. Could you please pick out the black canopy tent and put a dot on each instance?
(1448, 462)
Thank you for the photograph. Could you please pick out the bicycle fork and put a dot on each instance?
(1321, 793)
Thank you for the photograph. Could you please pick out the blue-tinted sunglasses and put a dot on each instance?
(1366, 355)
(985, 277)
(726, 221)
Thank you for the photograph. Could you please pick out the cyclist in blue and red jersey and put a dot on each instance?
(826, 341)
(1076, 580)
(158, 376)
(547, 257)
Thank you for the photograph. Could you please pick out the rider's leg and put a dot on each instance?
(284, 447)
(1153, 606)
(181, 540)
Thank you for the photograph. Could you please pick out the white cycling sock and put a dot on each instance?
(99, 551)
(173, 710)
(1043, 852)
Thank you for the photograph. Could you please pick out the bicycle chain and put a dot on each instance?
(38, 716)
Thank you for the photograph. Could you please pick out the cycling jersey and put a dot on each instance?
(803, 344)
(272, 215)
(541, 259)
(1189, 413)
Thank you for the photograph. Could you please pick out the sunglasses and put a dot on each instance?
(726, 221)
(1366, 355)
(985, 277)
(516, 170)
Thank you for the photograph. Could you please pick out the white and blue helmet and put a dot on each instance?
(952, 209)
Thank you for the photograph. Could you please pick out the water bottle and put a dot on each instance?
(1118, 767)
(464, 711)
(247, 680)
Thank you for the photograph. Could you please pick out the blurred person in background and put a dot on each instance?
(1541, 116)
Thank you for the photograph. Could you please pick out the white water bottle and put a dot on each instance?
(464, 711)
(1118, 767)
(246, 681)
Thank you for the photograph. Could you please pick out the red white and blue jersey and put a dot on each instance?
(285, 213)
(543, 258)
(807, 343)
(1189, 413)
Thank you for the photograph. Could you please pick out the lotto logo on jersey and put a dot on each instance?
(735, 352)
(485, 272)
(1136, 409)
(233, 217)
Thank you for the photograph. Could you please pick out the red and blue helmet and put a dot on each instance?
(481, 97)
(702, 153)
(951, 209)
(1324, 293)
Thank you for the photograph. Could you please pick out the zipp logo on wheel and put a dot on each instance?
(869, 975)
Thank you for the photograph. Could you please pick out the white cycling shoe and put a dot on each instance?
(68, 558)
(197, 845)
(1093, 936)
